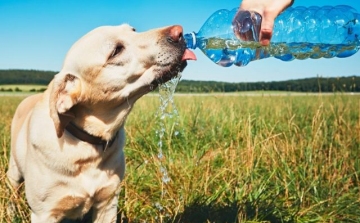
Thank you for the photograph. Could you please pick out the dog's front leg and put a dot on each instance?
(106, 212)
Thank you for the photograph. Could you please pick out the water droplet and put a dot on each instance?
(158, 206)
(166, 179)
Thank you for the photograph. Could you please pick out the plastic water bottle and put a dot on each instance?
(299, 33)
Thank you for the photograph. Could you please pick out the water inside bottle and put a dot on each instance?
(227, 52)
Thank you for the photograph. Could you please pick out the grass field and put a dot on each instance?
(234, 159)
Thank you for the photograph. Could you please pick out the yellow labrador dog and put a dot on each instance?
(67, 143)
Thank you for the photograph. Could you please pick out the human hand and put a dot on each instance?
(268, 10)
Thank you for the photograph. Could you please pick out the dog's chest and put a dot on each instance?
(92, 180)
(92, 186)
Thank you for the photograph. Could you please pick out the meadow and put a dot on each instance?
(232, 158)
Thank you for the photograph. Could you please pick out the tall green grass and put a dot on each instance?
(235, 159)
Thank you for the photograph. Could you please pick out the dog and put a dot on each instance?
(67, 143)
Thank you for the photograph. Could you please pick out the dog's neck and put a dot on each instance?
(101, 122)
(86, 137)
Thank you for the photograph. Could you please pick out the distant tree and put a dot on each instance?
(26, 77)
(316, 84)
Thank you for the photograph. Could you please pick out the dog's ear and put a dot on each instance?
(65, 93)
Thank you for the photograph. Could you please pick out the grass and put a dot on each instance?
(236, 159)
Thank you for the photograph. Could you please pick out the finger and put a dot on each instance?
(266, 31)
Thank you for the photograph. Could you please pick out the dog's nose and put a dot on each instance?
(176, 33)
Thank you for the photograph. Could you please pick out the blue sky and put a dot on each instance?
(36, 34)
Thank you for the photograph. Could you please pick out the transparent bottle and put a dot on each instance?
(299, 33)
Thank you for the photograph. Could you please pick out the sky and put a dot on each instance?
(36, 34)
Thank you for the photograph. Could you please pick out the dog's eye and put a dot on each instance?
(118, 49)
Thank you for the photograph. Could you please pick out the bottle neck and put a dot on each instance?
(190, 40)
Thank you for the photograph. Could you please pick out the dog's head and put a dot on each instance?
(108, 69)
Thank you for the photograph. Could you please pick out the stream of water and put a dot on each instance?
(167, 113)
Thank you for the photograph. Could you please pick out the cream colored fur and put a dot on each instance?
(103, 74)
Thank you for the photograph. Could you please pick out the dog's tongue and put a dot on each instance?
(188, 55)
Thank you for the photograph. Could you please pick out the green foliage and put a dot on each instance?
(247, 159)
(316, 84)
(26, 77)
(291, 159)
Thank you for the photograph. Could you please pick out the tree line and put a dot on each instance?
(26, 77)
(316, 84)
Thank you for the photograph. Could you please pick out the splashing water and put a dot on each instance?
(167, 110)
